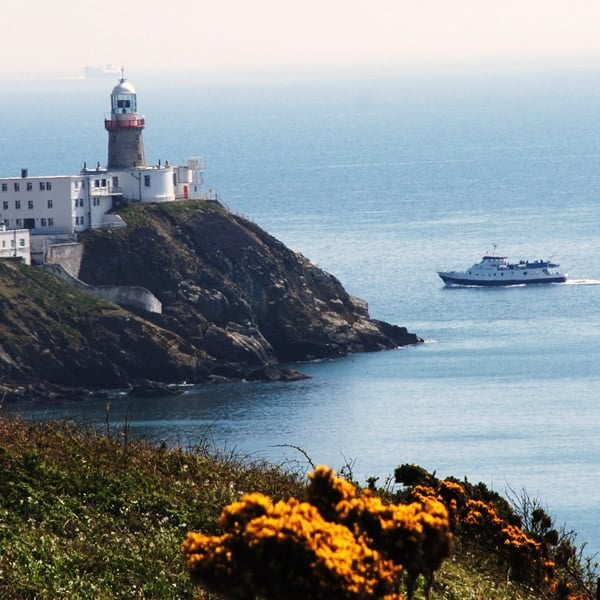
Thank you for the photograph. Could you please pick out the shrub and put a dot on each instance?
(338, 545)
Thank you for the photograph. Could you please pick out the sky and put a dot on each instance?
(60, 37)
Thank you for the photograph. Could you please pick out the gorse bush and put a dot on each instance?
(537, 555)
(337, 545)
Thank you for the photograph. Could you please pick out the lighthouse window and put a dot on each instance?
(17, 205)
(29, 186)
(42, 186)
(147, 180)
(16, 187)
(30, 204)
(50, 203)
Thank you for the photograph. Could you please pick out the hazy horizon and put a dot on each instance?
(233, 38)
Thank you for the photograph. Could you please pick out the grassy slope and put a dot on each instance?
(90, 515)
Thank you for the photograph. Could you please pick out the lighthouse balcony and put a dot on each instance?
(116, 124)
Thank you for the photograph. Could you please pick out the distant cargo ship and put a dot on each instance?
(107, 71)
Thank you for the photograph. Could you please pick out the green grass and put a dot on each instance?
(137, 214)
(88, 514)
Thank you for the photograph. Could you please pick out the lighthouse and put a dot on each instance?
(125, 126)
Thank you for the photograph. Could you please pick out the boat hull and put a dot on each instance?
(456, 279)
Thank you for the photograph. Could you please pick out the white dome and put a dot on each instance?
(124, 87)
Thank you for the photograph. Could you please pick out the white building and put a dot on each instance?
(15, 243)
(59, 207)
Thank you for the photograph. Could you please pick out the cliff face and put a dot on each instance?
(235, 301)
(231, 286)
(53, 333)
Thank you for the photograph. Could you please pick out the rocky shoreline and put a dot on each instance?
(236, 303)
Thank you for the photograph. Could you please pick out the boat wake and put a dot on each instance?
(582, 282)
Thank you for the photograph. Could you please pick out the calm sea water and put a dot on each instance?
(383, 181)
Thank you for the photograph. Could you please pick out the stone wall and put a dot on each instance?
(128, 296)
(67, 255)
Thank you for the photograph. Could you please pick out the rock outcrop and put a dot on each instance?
(236, 302)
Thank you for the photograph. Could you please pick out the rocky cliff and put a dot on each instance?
(236, 302)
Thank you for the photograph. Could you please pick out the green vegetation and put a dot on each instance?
(137, 214)
(88, 514)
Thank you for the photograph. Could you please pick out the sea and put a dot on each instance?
(383, 178)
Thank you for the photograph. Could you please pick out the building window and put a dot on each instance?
(42, 186)
(50, 222)
(80, 201)
(17, 205)
(5, 204)
(76, 203)
(115, 181)
(147, 180)
(96, 201)
(104, 183)
(50, 204)
(96, 183)
(83, 185)
(4, 243)
(12, 243)
(21, 242)
(16, 186)
(18, 223)
(30, 204)
(7, 222)
(43, 222)
(76, 185)
(48, 185)
(5, 187)
(29, 186)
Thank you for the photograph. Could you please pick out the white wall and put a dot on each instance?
(148, 184)
(15, 243)
(46, 200)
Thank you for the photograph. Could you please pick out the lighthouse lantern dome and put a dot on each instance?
(123, 98)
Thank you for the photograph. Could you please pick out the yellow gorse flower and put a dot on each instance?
(338, 545)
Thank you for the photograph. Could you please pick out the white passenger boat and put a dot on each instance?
(495, 270)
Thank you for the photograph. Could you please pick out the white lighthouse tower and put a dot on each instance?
(125, 142)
